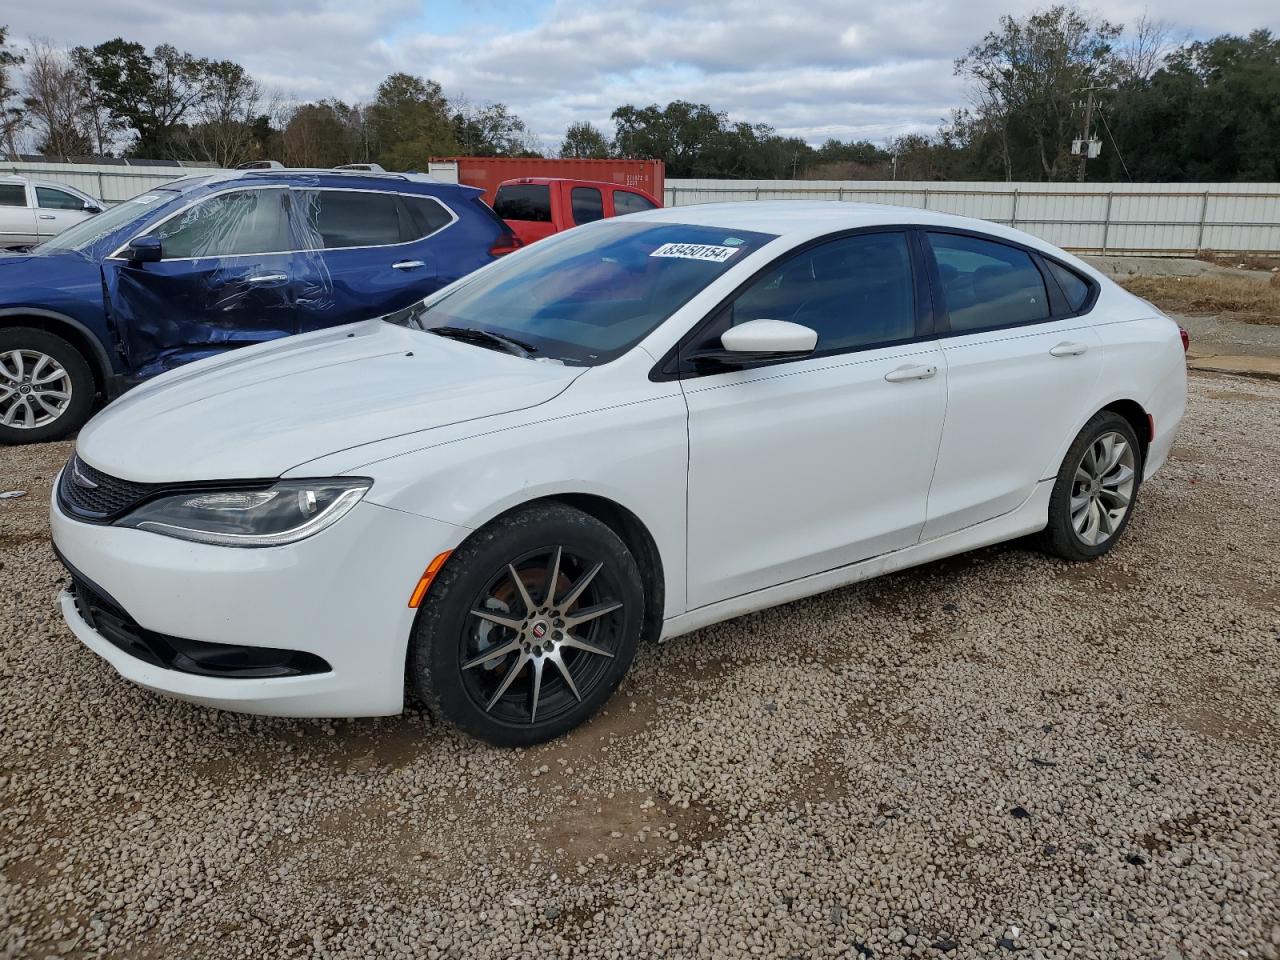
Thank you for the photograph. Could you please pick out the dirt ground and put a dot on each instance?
(995, 754)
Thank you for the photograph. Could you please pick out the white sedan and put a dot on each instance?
(627, 432)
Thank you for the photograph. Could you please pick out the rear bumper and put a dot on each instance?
(341, 596)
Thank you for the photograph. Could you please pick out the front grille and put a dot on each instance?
(89, 494)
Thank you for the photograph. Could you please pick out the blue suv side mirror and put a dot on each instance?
(144, 250)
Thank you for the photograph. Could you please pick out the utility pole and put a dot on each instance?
(1087, 135)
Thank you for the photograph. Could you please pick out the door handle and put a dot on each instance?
(407, 265)
(911, 372)
(47, 216)
(268, 278)
(1069, 349)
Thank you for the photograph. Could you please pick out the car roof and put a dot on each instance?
(802, 219)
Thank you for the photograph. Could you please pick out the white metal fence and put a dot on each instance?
(111, 182)
(1162, 219)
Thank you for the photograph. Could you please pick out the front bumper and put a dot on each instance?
(341, 595)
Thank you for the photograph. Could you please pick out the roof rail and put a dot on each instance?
(330, 172)
(369, 167)
(260, 165)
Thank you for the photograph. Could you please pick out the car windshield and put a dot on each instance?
(587, 295)
(88, 232)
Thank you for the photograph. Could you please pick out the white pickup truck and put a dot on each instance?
(32, 211)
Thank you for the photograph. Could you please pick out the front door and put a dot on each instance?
(807, 465)
(225, 281)
(56, 210)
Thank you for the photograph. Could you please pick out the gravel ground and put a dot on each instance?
(992, 754)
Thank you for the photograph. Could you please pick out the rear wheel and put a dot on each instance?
(46, 386)
(1096, 489)
(530, 626)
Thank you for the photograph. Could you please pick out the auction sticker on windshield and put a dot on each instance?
(695, 251)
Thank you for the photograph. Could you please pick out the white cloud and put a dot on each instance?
(824, 68)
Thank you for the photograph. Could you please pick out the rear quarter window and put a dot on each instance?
(1074, 287)
(13, 195)
(524, 201)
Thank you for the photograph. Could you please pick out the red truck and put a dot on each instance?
(536, 207)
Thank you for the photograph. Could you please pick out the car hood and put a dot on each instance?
(260, 411)
(37, 271)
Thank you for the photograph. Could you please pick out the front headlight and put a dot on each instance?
(283, 513)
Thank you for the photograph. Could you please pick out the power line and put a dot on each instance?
(1106, 126)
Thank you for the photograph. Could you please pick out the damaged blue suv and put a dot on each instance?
(207, 264)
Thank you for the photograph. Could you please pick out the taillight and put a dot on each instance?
(508, 244)
(1186, 339)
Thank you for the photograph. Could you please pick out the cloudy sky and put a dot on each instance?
(816, 69)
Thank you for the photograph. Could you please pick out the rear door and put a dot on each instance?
(1022, 366)
(586, 204)
(224, 281)
(369, 252)
(56, 210)
(17, 216)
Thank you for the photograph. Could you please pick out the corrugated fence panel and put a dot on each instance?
(106, 181)
(1178, 219)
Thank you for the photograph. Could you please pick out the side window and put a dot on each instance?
(241, 222)
(52, 199)
(988, 284)
(588, 206)
(1074, 286)
(426, 216)
(13, 195)
(855, 292)
(337, 219)
(624, 201)
(524, 201)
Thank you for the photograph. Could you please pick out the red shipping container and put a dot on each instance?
(488, 172)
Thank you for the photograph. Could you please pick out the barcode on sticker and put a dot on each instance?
(695, 251)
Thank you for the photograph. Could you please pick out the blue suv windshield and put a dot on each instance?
(88, 232)
(588, 295)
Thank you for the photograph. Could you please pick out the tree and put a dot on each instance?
(221, 128)
(1028, 75)
(1210, 113)
(322, 135)
(584, 141)
(10, 116)
(680, 134)
(489, 131)
(149, 93)
(57, 103)
(411, 122)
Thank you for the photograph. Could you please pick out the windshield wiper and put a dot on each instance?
(484, 338)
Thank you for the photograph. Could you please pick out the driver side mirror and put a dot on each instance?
(758, 341)
(144, 250)
(92, 208)
(770, 337)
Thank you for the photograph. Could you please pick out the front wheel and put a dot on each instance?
(46, 386)
(1097, 486)
(529, 627)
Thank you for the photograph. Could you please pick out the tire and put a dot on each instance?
(1089, 491)
(27, 357)
(493, 699)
